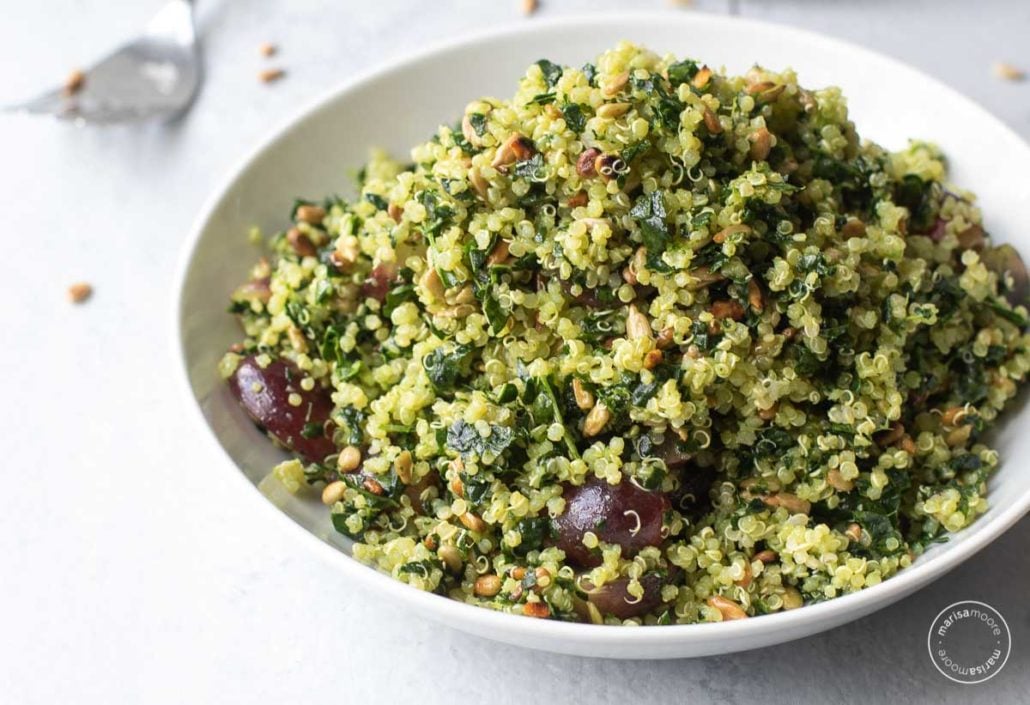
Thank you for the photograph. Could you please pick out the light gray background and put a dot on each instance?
(130, 568)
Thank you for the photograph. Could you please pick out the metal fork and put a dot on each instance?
(155, 75)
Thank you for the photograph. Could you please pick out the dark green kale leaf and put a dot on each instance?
(447, 365)
(464, 439)
(649, 213)
(478, 122)
(682, 71)
(552, 71)
(574, 117)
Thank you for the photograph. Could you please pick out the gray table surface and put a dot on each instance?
(132, 572)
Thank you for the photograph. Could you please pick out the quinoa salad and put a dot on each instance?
(645, 344)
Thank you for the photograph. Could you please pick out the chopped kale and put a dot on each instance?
(478, 122)
(574, 117)
(649, 213)
(682, 71)
(446, 365)
(552, 71)
(464, 439)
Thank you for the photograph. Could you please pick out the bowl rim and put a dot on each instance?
(451, 612)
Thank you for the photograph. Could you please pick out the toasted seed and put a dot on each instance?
(301, 243)
(727, 308)
(728, 608)
(313, 215)
(704, 277)
(1005, 70)
(702, 77)
(518, 572)
(395, 212)
(720, 237)
(958, 436)
(529, 6)
(457, 489)
(792, 503)
(972, 238)
(596, 420)
(578, 199)
(766, 91)
(464, 295)
(271, 75)
(584, 397)
(637, 325)
(297, 340)
(498, 255)
(372, 485)
(540, 610)
(754, 296)
(267, 49)
(653, 358)
(450, 556)
(629, 275)
(761, 144)
(254, 290)
(853, 228)
(792, 599)
(748, 577)
(479, 182)
(349, 459)
(346, 252)
(616, 84)
(907, 444)
(892, 435)
(838, 482)
(516, 148)
(853, 532)
(488, 585)
(665, 338)
(333, 492)
(770, 413)
(766, 556)
(79, 292)
(712, 122)
(74, 83)
(613, 110)
(430, 283)
(585, 164)
(954, 415)
(402, 466)
(472, 522)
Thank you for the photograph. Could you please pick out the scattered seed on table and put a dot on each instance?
(271, 75)
(1008, 72)
(79, 292)
(268, 49)
(75, 82)
(530, 6)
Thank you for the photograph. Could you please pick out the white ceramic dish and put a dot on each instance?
(401, 104)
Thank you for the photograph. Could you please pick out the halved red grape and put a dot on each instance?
(613, 598)
(379, 281)
(622, 514)
(264, 394)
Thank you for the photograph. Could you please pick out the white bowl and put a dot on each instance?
(401, 104)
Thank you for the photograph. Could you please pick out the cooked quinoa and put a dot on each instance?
(646, 343)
